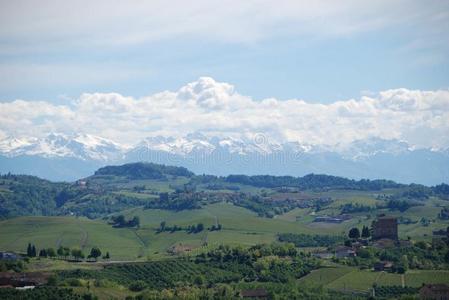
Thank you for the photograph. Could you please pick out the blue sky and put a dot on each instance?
(327, 73)
(335, 50)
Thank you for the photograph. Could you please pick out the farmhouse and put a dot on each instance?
(383, 266)
(343, 251)
(9, 256)
(434, 291)
(385, 228)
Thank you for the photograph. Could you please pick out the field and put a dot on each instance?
(240, 226)
(72, 232)
(142, 255)
(352, 279)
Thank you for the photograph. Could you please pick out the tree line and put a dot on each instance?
(65, 252)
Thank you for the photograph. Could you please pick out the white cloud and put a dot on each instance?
(419, 117)
(58, 24)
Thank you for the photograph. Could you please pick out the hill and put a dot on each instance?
(144, 171)
(115, 188)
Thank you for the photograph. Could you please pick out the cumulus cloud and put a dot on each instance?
(420, 118)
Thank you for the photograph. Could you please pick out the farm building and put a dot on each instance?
(9, 256)
(343, 251)
(332, 219)
(385, 228)
(383, 266)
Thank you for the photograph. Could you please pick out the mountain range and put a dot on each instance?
(69, 157)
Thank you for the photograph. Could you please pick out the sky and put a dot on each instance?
(359, 69)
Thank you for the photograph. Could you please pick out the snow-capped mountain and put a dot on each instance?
(362, 149)
(198, 143)
(192, 143)
(63, 157)
(80, 146)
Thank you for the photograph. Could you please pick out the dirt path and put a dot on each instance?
(142, 242)
(403, 280)
(84, 236)
(59, 241)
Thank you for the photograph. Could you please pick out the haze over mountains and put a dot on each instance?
(69, 157)
(208, 127)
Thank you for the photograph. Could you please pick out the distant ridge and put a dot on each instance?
(63, 157)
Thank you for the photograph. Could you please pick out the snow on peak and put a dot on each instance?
(80, 146)
(91, 147)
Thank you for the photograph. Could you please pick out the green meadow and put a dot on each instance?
(240, 227)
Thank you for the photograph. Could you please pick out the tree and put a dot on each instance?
(107, 256)
(404, 262)
(29, 253)
(43, 253)
(135, 222)
(365, 232)
(163, 197)
(60, 251)
(199, 280)
(199, 227)
(119, 220)
(33, 251)
(162, 226)
(77, 254)
(354, 233)
(95, 252)
(446, 257)
(137, 286)
(51, 252)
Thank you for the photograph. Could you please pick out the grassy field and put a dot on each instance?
(352, 279)
(240, 226)
(82, 233)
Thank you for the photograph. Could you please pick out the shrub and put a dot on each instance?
(137, 286)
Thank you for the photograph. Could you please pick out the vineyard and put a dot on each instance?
(158, 274)
(394, 291)
(41, 293)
